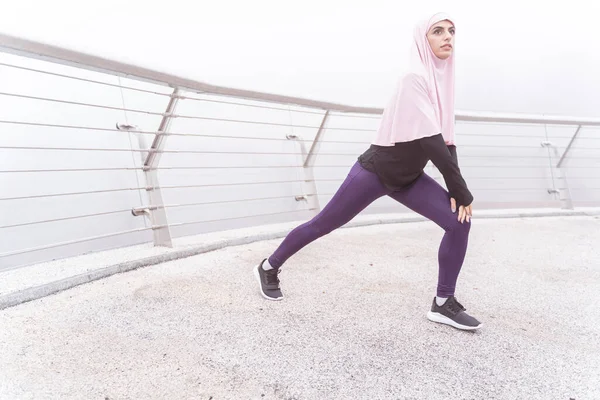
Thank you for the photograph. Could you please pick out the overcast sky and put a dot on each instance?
(512, 56)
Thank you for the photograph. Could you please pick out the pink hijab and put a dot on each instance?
(423, 104)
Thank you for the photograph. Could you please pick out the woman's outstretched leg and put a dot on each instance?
(359, 189)
(432, 201)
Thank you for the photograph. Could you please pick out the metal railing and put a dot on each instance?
(239, 158)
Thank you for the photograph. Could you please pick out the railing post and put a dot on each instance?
(564, 155)
(308, 157)
(158, 213)
(565, 193)
(559, 174)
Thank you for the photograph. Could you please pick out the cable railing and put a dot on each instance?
(182, 151)
(161, 156)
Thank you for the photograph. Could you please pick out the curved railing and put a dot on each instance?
(98, 154)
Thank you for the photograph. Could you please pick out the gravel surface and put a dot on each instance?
(352, 325)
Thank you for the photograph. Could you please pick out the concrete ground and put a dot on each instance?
(352, 325)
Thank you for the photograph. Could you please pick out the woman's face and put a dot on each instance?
(441, 39)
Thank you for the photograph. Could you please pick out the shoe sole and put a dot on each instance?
(442, 319)
(257, 275)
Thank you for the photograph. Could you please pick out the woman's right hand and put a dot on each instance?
(465, 213)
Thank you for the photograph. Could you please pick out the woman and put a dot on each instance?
(417, 126)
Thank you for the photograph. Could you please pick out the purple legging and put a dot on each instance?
(361, 187)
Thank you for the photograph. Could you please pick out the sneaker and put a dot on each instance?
(269, 282)
(452, 313)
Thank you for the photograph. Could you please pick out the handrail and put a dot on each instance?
(518, 118)
(47, 52)
(61, 55)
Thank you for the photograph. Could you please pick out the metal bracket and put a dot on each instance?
(126, 127)
(291, 137)
(547, 144)
(140, 211)
(301, 198)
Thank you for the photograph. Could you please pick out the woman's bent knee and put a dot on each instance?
(457, 226)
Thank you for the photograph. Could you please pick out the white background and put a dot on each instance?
(517, 56)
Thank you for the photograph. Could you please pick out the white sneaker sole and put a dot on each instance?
(256, 274)
(442, 319)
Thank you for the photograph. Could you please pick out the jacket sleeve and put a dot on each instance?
(445, 159)
(452, 150)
